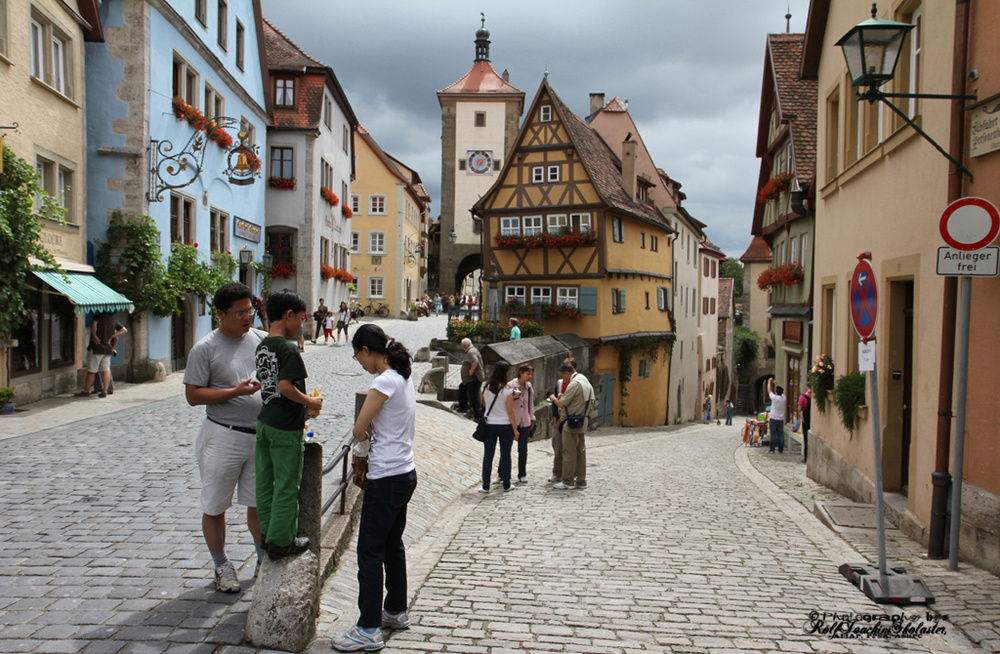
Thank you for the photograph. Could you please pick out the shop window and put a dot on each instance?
(62, 332)
(26, 358)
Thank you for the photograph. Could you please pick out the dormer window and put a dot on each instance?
(284, 92)
(545, 113)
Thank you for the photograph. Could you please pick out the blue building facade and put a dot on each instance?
(208, 53)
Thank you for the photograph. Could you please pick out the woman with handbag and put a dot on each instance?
(390, 408)
(524, 410)
(501, 424)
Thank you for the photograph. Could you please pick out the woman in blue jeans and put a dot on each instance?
(497, 399)
(390, 408)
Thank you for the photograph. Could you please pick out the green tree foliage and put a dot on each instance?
(746, 346)
(20, 231)
(733, 269)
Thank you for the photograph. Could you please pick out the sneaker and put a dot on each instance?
(395, 620)
(522, 480)
(509, 488)
(483, 489)
(580, 486)
(554, 479)
(226, 580)
(299, 545)
(561, 486)
(358, 639)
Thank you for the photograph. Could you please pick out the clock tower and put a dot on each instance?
(479, 121)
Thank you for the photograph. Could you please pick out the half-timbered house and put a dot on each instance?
(568, 225)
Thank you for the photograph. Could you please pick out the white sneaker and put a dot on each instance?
(561, 486)
(484, 490)
(395, 620)
(522, 480)
(226, 580)
(509, 488)
(357, 639)
(553, 479)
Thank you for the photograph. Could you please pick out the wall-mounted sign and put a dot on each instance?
(791, 331)
(984, 133)
(246, 230)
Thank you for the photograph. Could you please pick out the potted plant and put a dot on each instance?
(821, 380)
(849, 396)
(7, 404)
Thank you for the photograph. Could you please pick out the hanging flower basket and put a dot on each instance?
(283, 270)
(786, 275)
(282, 183)
(572, 238)
(346, 210)
(774, 187)
(329, 196)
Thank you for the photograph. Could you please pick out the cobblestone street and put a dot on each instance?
(684, 541)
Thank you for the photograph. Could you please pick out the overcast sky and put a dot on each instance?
(690, 69)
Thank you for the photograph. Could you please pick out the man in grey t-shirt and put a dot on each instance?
(219, 375)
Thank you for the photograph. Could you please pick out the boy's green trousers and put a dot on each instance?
(278, 458)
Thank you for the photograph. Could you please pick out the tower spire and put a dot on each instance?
(788, 20)
(482, 41)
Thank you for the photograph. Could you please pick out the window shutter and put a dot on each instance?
(500, 301)
(621, 301)
(588, 300)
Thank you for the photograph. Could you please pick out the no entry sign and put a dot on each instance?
(864, 298)
(970, 224)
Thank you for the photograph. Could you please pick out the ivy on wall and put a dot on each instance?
(649, 347)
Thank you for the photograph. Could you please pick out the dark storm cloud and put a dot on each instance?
(691, 71)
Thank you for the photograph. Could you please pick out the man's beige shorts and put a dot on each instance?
(226, 463)
(98, 363)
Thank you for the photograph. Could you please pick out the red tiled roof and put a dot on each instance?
(283, 54)
(481, 78)
(725, 296)
(602, 164)
(615, 104)
(711, 248)
(757, 251)
(795, 100)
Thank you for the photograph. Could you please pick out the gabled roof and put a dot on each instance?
(390, 164)
(602, 163)
(757, 252)
(793, 98)
(283, 54)
(725, 297)
(708, 247)
(481, 78)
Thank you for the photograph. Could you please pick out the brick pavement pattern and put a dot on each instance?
(676, 546)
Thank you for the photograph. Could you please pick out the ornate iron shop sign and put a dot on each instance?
(169, 170)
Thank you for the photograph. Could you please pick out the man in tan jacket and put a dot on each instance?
(575, 401)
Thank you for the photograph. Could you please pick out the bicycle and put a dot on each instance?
(382, 310)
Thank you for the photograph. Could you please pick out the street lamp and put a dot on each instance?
(246, 256)
(493, 301)
(452, 236)
(268, 259)
(872, 50)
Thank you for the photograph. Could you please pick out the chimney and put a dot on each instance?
(596, 102)
(628, 168)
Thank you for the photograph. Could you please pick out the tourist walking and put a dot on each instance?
(342, 320)
(524, 411)
(390, 408)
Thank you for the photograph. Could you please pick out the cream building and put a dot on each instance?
(388, 230)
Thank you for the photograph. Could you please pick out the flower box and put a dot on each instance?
(572, 238)
(282, 183)
(786, 275)
(183, 111)
(774, 187)
(328, 195)
(326, 271)
(283, 270)
(346, 210)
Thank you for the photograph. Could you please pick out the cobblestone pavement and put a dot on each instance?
(100, 531)
(680, 544)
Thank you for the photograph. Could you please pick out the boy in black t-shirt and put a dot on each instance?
(280, 447)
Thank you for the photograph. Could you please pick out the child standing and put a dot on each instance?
(280, 446)
(327, 328)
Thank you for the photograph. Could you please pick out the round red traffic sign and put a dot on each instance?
(970, 224)
(864, 300)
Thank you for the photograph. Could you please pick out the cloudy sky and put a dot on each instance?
(690, 69)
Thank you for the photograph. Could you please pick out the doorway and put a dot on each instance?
(179, 341)
(899, 384)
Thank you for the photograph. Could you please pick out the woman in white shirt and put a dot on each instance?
(501, 424)
(390, 408)
(342, 319)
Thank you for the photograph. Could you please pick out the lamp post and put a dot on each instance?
(246, 256)
(872, 50)
(494, 308)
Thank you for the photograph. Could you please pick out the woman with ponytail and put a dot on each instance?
(497, 400)
(390, 408)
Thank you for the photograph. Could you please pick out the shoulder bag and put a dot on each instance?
(576, 421)
(480, 433)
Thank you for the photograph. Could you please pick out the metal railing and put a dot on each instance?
(347, 471)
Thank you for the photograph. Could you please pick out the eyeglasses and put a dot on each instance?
(240, 314)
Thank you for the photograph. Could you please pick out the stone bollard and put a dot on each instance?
(433, 381)
(422, 355)
(440, 361)
(285, 601)
(285, 604)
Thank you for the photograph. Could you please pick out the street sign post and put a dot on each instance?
(883, 586)
(968, 226)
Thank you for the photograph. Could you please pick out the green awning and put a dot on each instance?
(87, 292)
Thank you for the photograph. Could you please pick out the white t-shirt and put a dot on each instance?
(328, 323)
(778, 403)
(391, 450)
(498, 416)
(219, 361)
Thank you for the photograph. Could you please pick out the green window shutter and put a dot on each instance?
(621, 301)
(500, 299)
(588, 300)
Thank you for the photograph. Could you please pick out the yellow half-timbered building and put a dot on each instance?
(568, 223)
